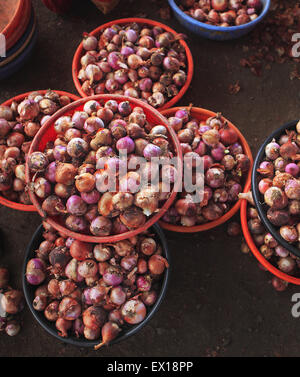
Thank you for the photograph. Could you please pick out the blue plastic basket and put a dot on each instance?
(217, 33)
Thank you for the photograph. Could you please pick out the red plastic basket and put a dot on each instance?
(19, 98)
(202, 114)
(47, 133)
(248, 237)
(79, 53)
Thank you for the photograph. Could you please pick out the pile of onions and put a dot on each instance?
(94, 290)
(11, 304)
(19, 123)
(134, 60)
(224, 163)
(279, 184)
(83, 177)
(224, 13)
(271, 250)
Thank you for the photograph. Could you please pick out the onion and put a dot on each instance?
(109, 332)
(87, 268)
(37, 162)
(133, 311)
(28, 110)
(101, 226)
(289, 233)
(275, 198)
(81, 250)
(94, 317)
(12, 301)
(133, 217)
(51, 312)
(65, 173)
(117, 296)
(69, 309)
(71, 271)
(76, 206)
(12, 328)
(112, 276)
(286, 265)
(63, 326)
(278, 284)
(157, 264)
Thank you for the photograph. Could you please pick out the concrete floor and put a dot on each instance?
(219, 303)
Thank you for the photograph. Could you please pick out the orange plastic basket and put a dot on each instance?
(248, 237)
(79, 53)
(47, 133)
(19, 98)
(202, 114)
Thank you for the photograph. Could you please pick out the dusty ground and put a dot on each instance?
(219, 302)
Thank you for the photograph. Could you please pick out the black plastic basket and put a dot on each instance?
(29, 291)
(258, 197)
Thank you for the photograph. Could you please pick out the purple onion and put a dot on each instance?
(114, 59)
(143, 283)
(91, 197)
(60, 153)
(286, 264)
(126, 51)
(236, 148)
(149, 298)
(124, 108)
(93, 124)
(234, 191)
(35, 277)
(131, 35)
(121, 76)
(151, 151)
(112, 277)
(76, 206)
(292, 169)
(183, 114)
(219, 152)
(129, 262)
(50, 172)
(292, 189)
(204, 128)
(79, 118)
(109, 33)
(125, 143)
(37, 264)
(145, 84)
(281, 251)
(76, 223)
